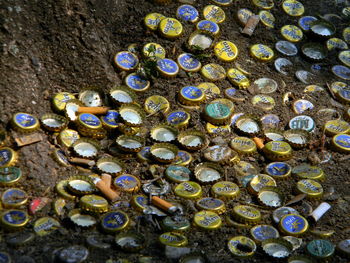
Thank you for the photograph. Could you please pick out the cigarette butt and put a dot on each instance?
(28, 139)
(320, 211)
(82, 161)
(107, 179)
(162, 204)
(249, 28)
(93, 110)
(107, 191)
(259, 142)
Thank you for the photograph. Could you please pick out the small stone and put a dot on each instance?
(176, 252)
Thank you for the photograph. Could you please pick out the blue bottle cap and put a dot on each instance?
(89, 121)
(4, 257)
(25, 122)
(114, 221)
(305, 22)
(178, 173)
(208, 26)
(178, 118)
(189, 62)
(293, 224)
(167, 67)
(136, 82)
(126, 60)
(127, 183)
(187, 13)
(191, 95)
(341, 72)
(263, 232)
(111, 119)
(230, 92)
(278, 169)
(14, 219)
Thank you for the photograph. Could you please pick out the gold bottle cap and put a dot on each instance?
(341, 143)
(293, 8)
(207, 220)
(13, 198)
(211, 204)
(292, 33)
(243, 145)
(86, 148)
(94, 203)
(155, 104)
(126, 60)
(164, 133)
(183, 158)
(226, 51)
(188, 190)
(243, 16)
(153, 51)
(170, 28)
(68, 137)
(307, 171)
(278, 151)
(221, 154)
(219, 111)
(271, 197)
(243, 168)
(60, 99)
(297, 138)
(264, 4)
(132, 115)
(13, 219)
(115, 221)
(210, 89)
(278, 170)
(110, 165)
(238, 78)
(214, 13)
(241, 246)
(178, 119)
(173, 239)
(191, 96)
(259, 182)
(80, 219)
(130, 144)
(261, 52)
(91, 96)
(137, 83)
(263, 232)
(248, 125)
(88, 121)
(192, 140)
(122, 95)
(335, 127)
(127, 183)
(277, 248)
(293, 225)
(217, 130)
(81, 185)
(207, 172)
(344, 57)
(8, 157)
(246, 214)
(225, 190)
(24, 122)
(152, 20)
(311, 188)
(213, 72)
(267, 18)
(263, 102)
(336, 43)
(45, 226)
(62, 190)
(164, 152)
(223, 2)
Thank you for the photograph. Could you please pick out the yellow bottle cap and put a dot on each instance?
(243, 15)
(170, 28)
(13, 219)
(213, 72)
(67, 137)
(259, 182)
(335, 127)
(8, 157)
(153, 51)
(237, 78)
(62, 190)
(210, 89)
(221, 154)
(223, 2)
(263, 102)
(278, 151)
(243, 168)
(173, 239)
(225, 190)
(214, 13)
(24, 122)
(262, 52)
(293, 225)
(307, 171)
(191, 95)
(152, 20)
(236, 244)
(156, 103)
(336, 43)
(341, 143)
(45, 226)
(207, 220)
(211, 204)
(60, 99)
(94, 203)
(246, 214)
(243, 145)
(226, 51)
(267, 18)
(344, 57)
(217, 130)
(188, 190)
(293, 7)
(346, 34)
(264, 4)
(311, 188)
(292, 33)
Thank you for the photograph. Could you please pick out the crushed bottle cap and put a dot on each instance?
(136, 83)
(152, 20)
(264, 4)
(305, 22)
(241, 246)
(127, 183)
(246, 214)
(273, 135)
(67, 137)
(153, 51)
(267, 18)
(292, 33)
(213, 72)
(270, 121)
(226, 51)
(314, 51)
(126, 60)
(8, 157)
(344, 247)
(313, 88)
(266, 85)
(293, 7)
(243, 15)
(238, 78)
(277, 248)
(341, 142)
(263, 232)
(188, 190)
(282, 64)
(187, 13)
(208, 172)
(207, 220)
(261, 52)
(14, 197)
(12, 220)
(214, 13)
(209, 27)
(24, 122)
(320, 249)
(91, 97)
(130, 241)
(45, 226)
(170, 28)
(296, 242)
(200, 41)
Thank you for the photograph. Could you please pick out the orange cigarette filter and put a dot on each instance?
(259, 142)
(107, 178)
(162, 204)
(107, 191)
(94, 110)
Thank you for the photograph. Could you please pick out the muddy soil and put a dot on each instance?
(52, 46)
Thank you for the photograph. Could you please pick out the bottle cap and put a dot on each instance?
(343, 96)
(278, 151)
(335, 127)
(111, 120)
(297, 138)
(263, 232)
(62, 190)
(127, 183)
(273, 135)
(341, 143)
(237, 78)
(81, 185)
(5, 258)
(67, 137)
(307, 171)
(13, 219)
(9, 175)
(144, 154)
(230, 93)
(164, 152)
(177, 173)
(265, 85)
(302, 122)
(189, 62)
(248, 125)
(313, 88)
(341, 72)
(293, 8)
(132, 115)
(217, 130)
(222, 2)
(211, 204)
(311, 188)
(207, 220)
(24, 122)
(115, 221)
(244, 168)
(45, 226)
(213, 72)
(336, 43)
(137, 83)
(261, 52)
(60, 99)
(305, 22)
(187, 13)
(167, 67)
(91, 97)
(53, 122)
(153, 51)
(183, 158)
(320, 249)
(191, 96)
(200, 41)
(259, 182)
(314, 51)
(225, 190)
(93, 203)
(88, 121)
(241, 246)
(246, 214)
(294, 241)
(86, 148)
(164, 133)
(188, 190)
(192, 140)
(263, 102)
(207, 172)
(80, 219)
(243, 145)
(152, 20)
(271, 197)
(278, 170)
(175, 224)
(264, 4)
(267, 18)
(170, 28)
(226, 51)
(346, 34)
(292, 33)
(71, 109)
(163, 187)
(173, 239)
(126, 60)
(344, 247)
(139, 202)
(221, 154)
(75, 253)
(130, 241)
(156, 103)
(13, 198)
(8, 157)
(208, 26)
(219, 111)
(243, 16)
(286, 48)
(110, 165)
(121, 95)
(277, 248)
(178, 119)
(279, 213)
(323, 29)
(214, 13)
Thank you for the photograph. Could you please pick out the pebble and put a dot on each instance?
(176, 252)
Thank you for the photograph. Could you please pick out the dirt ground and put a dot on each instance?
(52, 46)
